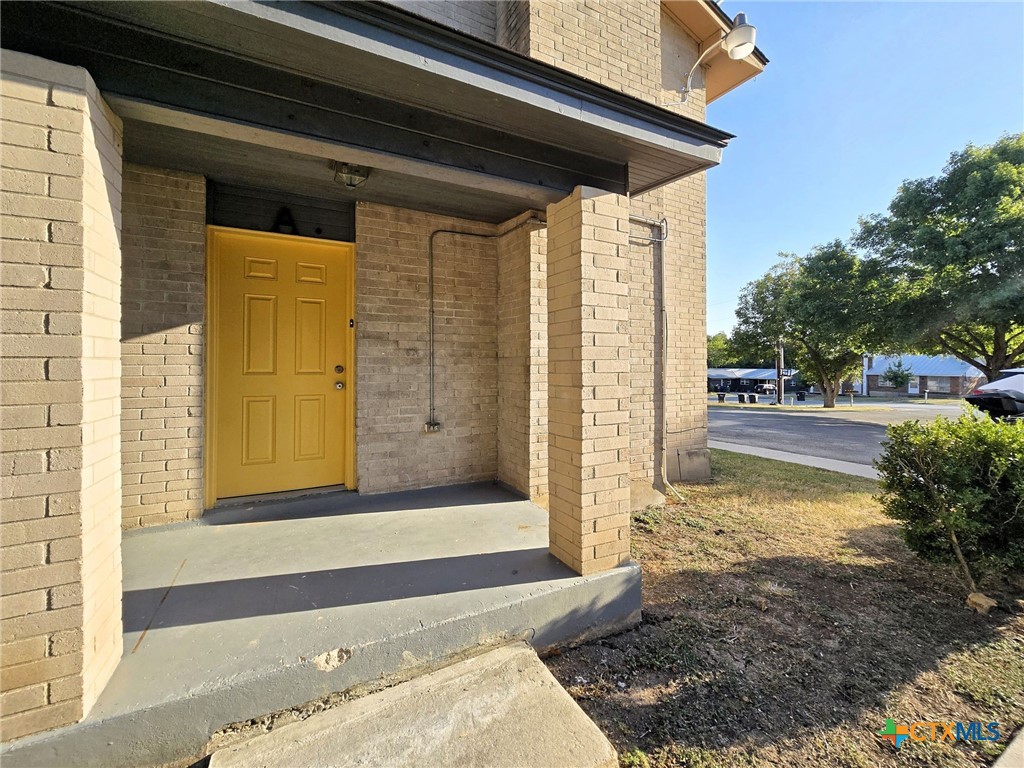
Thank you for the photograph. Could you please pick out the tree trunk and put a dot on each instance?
(961, 559)
(829, 392)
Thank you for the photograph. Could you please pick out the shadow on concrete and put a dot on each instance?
(353, 503)
(203, 602)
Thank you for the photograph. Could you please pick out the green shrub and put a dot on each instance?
(958, 488)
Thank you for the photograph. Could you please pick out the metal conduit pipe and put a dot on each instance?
(661, 225)
(433, 425)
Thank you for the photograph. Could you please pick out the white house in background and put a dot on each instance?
(742, 379)
(935, 374)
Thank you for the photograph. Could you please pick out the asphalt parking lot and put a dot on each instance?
(844, 434)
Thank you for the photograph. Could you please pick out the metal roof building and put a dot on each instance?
(922, 365)
(753, 374)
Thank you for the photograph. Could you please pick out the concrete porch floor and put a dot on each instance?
(260, 608)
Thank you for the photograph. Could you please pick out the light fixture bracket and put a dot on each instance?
(349, 175)
(738, 43)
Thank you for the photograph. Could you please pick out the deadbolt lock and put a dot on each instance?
(339, 369)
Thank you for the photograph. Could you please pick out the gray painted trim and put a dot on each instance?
(400, 57)
(269, 136)
(638, 120)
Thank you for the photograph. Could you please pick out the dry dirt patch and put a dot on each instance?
(784, 622)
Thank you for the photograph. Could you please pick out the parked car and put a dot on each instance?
(1002, 398)
(765, 389)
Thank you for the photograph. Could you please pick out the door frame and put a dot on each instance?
(210, 374)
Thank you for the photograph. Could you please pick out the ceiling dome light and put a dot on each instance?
(740, 41)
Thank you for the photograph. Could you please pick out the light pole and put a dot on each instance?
(780, 364)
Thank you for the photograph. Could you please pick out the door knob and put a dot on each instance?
(339, 369)
(339, 385)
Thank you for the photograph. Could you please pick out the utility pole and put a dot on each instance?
(780, 382)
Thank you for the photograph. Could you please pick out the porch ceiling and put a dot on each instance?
(263, 167)
(438, 115)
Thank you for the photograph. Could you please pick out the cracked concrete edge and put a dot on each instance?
(178, 732)
(504, 693)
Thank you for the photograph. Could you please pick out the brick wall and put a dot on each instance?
(101, 390)
(631, 45)
(644, 344)
(392, 394)
(640, 49)
(474, 17)
(684, 205)
(875, 384)
(59, 404)
(164, 245)
(937, 386)
(522, 358)
(513, 25)
(685, 297)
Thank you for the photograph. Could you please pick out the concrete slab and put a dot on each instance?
(262, 608)
(845, 467)
(1013, 755)
(501, 709)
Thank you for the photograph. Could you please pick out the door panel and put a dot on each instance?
(309, 427)
(259, 334)
(310, 335)
(259, 430)
(279, 327)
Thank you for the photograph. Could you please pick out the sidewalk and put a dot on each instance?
(845, 467)
(1013, 755)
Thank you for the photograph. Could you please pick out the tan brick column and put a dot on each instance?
(60, 306)
(588, 380)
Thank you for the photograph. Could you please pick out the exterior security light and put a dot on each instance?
(739, 43)
(351, 176)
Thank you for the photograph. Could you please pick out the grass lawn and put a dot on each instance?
(784, 621)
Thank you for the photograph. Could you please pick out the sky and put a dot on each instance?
(857, 97)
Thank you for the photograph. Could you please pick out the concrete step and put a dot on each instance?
(501, 709)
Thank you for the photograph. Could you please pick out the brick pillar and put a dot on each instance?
(588, 380)
(523, 358)
(60, 283)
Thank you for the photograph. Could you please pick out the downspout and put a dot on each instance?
(433, 425)
(661, 225)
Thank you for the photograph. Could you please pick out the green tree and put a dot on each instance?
(721, 353)
(897, 375)
(953, 251)
(817, 305)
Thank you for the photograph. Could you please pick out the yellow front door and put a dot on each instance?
(281, 363)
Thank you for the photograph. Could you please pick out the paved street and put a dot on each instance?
(846, 435)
